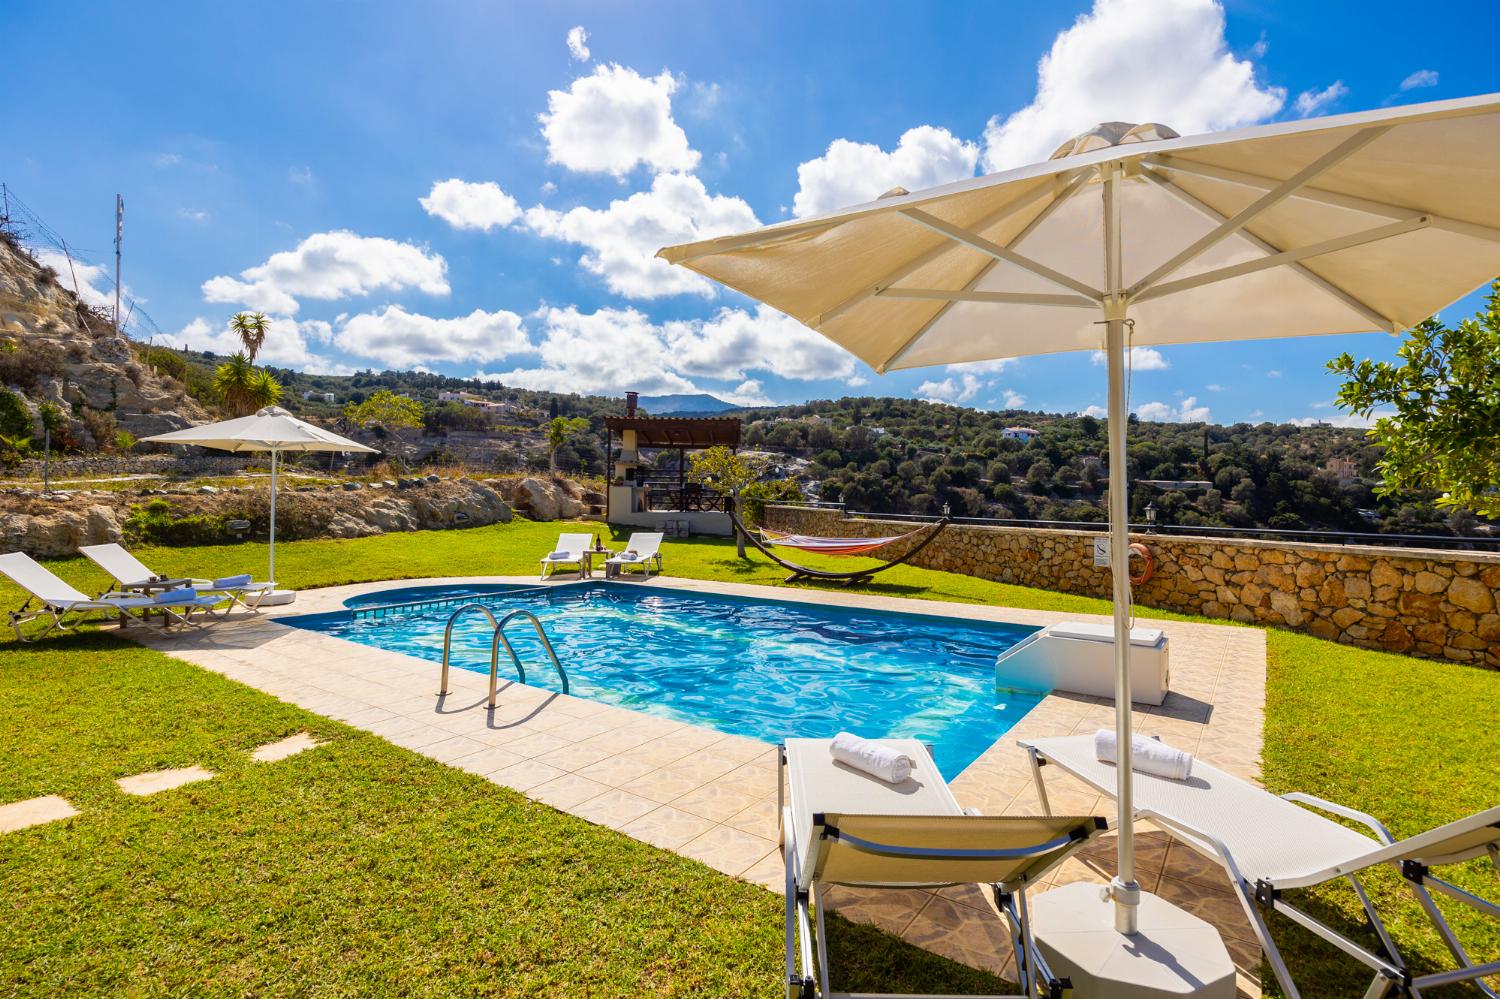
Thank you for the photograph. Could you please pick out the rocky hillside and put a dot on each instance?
(54, 348)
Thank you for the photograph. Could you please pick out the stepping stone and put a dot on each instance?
(34, 812)
(162, 780)
(290, 746)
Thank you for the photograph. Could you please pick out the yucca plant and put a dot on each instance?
(251, 328)
(243, 388)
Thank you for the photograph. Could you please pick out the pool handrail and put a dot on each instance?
(497, 639)
(536, 623)
(379, 610)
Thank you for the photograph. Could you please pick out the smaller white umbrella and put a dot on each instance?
(271, 429)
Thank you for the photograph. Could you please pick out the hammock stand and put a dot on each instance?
(847, 578)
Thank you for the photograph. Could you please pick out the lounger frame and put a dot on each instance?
(1263, 896)
(806, 954)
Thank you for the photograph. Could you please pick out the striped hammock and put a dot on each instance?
(832, 546)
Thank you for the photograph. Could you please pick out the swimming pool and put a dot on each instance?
(761, 668)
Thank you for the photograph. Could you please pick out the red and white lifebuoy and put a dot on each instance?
(1148, 564)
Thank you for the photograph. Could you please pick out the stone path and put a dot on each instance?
(34, 812)
(712, 796)
(50, 808)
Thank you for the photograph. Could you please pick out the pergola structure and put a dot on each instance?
(629, 487)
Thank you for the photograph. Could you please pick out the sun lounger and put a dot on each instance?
(568, 553)
(1268, 845)
(642, 551)
(131, 577)
(841, 826)
(56, 599)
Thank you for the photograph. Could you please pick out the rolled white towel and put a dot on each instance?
(873, 758)
(1147, 756)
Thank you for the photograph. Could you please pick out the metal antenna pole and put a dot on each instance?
(119, 235)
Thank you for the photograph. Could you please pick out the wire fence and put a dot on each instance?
(1315, 536)
(22, 223)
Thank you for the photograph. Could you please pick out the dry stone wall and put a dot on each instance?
(1438, 605)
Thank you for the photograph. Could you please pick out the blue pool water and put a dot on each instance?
(766, 669)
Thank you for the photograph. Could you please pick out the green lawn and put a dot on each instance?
(363, 868)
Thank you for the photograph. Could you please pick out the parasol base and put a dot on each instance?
(1174, 954)
(277, 598)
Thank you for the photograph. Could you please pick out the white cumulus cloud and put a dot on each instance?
(578, 46)
(1312, 101)
(1187, 411)
(1421, 78)
(467, 205)
(621, 241)
(331, 265)
(606, 351)
(1139, 359)
(1133, 60)
(288, 344)
(404, 339)
(734, 342)
(954, 390)
(611, 350)
(614, 119)
(1012, 400)
(850, 173)
(982, 367)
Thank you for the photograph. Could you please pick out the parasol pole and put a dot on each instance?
(1124, 889)
(272, 573)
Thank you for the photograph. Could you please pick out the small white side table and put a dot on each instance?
(1174, 954)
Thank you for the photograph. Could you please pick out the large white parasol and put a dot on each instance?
(271, 429)
(1132, 235)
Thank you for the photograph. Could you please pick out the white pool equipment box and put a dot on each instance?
(1079, 658)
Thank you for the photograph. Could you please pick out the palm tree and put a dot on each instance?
(252, 328)
(243, 388)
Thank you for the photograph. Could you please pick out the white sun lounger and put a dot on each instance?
(643, 550)
(841, 826)
(56, 599)
(568, 553)
(1269, 844)
(132, 576)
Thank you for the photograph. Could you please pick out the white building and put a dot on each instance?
(1023, 434)
(312, 394)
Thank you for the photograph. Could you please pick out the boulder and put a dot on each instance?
(536, 498)
(58, 533)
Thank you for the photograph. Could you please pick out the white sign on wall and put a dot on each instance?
(1101, 551)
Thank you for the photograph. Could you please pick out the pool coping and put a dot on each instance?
(711, 796)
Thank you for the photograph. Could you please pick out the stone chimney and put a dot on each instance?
(630, 401)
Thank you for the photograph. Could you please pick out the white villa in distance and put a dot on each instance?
(468, 399)
(1023, 434)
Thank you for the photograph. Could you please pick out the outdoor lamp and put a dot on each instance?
(1151, 516)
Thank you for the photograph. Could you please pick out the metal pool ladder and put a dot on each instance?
(496, 641)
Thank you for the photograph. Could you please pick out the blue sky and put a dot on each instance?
(478, 187)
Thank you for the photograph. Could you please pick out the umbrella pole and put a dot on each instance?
(1124, 889)
(272, 573)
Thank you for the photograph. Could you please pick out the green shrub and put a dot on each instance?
(155, 523)
(755, 496)
(15, 418)
(30, 362)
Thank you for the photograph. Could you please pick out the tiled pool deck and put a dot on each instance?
(712, 796)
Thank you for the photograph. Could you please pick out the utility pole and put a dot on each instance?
(119, 235)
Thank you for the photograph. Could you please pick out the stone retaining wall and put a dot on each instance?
(1438, 605)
